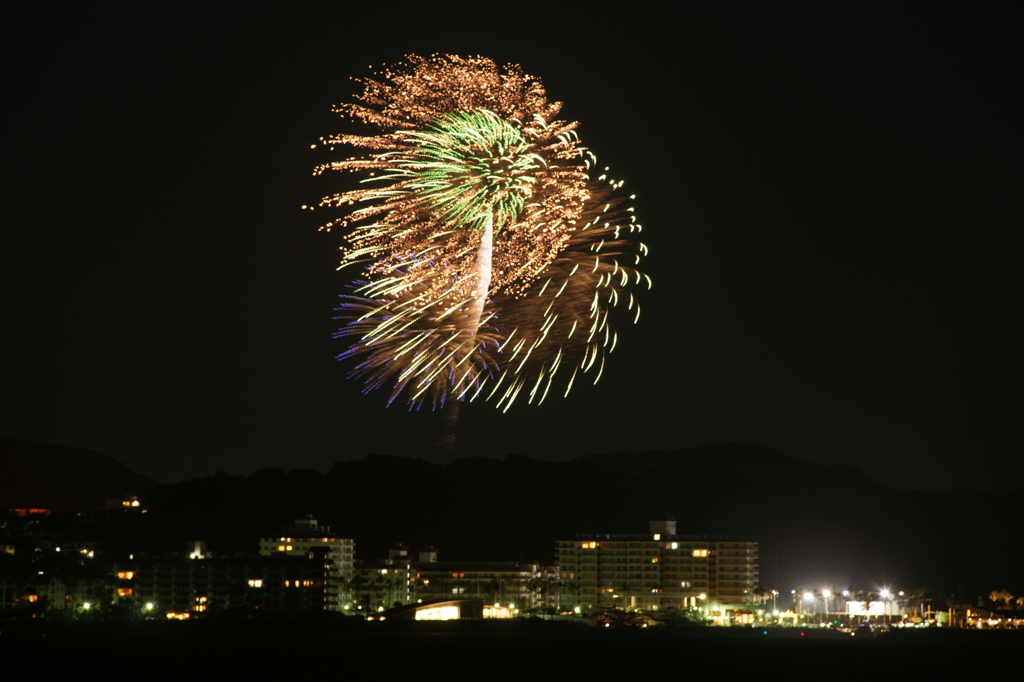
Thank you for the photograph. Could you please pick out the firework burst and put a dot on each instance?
(491, 254)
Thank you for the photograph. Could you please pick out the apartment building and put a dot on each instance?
(518, 585)
(657, 570)
(307, 535)
(198, 583)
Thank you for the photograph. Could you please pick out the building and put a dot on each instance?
(51, 592)
(656, 571)
(450, 609)
(306, 535)
(523, 585)
(398, 580)
(194, 583)
(379, 585)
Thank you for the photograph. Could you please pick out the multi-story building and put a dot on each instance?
(51, 592)
(522, 586)
(659, 570)
(306, 535)
(198, 582)
(379, 585)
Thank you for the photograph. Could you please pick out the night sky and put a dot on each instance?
(827, 199)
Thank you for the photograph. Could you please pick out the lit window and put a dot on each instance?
(125, 575)
(256, 583)
(124, 592)
(700, 552)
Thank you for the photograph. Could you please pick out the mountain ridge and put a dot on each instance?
(815, 523)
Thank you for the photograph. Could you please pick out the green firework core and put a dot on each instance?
(470, 167)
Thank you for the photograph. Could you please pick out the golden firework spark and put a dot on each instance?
(491, 254)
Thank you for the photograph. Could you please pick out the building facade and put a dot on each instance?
(657, 570)
(525, 586)
(196, 584)
(400, 580)
(305, 536)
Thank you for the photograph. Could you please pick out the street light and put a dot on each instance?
(808, 594)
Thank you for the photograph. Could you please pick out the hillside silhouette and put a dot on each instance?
(817, 525)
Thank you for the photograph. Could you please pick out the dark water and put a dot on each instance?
(508, 651)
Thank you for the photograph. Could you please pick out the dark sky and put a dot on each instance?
(827, 197)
